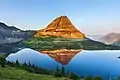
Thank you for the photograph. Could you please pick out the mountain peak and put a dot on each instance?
(63, 16)
(2, 24)
(61, 27)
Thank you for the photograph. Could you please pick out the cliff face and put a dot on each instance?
(61, 27)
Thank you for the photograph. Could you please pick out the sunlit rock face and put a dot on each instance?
(61, 27)
(62, 56)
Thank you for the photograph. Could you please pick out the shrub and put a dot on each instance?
(73, 76)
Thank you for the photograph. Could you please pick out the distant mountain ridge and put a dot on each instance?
(12, 34)
(12, 28)
(110, 38)
(7, 31)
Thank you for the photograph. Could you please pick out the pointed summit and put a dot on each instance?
(61, 27)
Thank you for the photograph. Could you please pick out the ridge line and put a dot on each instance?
(58, 23)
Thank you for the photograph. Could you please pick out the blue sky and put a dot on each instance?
(89, 16)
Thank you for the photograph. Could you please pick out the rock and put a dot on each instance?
(61, 27)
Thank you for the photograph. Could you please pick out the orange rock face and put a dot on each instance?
(61, 27)
(62, 56)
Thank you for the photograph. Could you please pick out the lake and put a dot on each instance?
(81, 62)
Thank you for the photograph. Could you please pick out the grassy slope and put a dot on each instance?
(12, 73)
(64, 43)
(52, 43)
(15, 73)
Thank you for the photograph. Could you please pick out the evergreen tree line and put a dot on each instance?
(59, 72)
(37, 70)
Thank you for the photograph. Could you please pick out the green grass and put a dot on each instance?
(51, 43)
(15, 71)
(12, 73)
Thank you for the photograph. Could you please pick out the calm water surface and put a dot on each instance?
(85, 63)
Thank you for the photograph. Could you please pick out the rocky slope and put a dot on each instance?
(61, 27)
(9, 34)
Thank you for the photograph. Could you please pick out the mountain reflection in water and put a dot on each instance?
(63, 56)
(81, 62)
